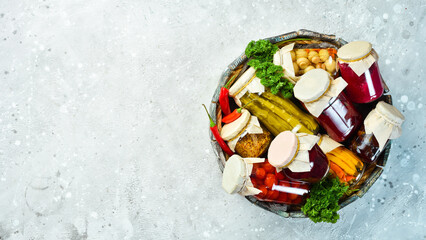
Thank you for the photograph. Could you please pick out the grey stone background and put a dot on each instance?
(103, 135)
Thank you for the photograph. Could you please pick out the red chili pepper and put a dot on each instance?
(233, 116)
(215, 131)
(224, 98)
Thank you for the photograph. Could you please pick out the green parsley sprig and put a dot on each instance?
(272, 76)
(323, 203)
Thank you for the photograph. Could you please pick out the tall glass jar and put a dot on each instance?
(357, 63)
(258, 178)
(323, 97)
(381, 124)
(298, 156)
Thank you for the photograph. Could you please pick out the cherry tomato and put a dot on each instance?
(268, 167)
(270, 180)
(260, 173)
(296, 201)
(272, 194)
(283, 197)
(263, 193)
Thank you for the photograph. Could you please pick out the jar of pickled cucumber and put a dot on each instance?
(357, 63)
(256, 177)
(298, 156)
(277, 114)
(323, 97)
(381, 124)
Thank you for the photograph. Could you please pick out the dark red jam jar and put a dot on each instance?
(298, 156)
(357, 63)
(323, 97)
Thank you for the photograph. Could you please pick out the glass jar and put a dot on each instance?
(319, 170)
(277, 114)
(323, 97)
(344, 164)
(340, 119)
(276, 187)
(246, 136)
(357, 63)
(258, 178)
(366, 146)
(298, 156)
(381, 124)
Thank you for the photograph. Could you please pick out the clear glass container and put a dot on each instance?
(319, 167)
(340, 119)
(276, 187)
(366, 146)
(357, 62)
(365, 88)
(345, 165)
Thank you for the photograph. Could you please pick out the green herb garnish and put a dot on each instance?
(323, 203)
(272, 76)
(262, 50)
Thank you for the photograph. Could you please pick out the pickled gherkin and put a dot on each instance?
(277, 114)
(306, 119)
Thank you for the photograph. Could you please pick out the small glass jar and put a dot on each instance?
(324, 99)
(366, 146)
(246, 136)
(256, 177)
(277, 187)
(357, 63)
(344, 164)
(381, 124)
(298, 156)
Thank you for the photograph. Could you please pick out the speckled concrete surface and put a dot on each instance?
(103, 135)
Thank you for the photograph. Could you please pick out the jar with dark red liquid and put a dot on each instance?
(381, 124)
(323, 97)
(299, 156)
(357, 63)
(366, 146)
(256, 177)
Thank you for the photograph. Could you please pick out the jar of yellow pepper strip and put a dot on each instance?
(344, 164)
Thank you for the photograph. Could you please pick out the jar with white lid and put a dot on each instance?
(324, 98)
(357, 63)
(246, 136)
(298, 156)
(381, 124)
(256, 177)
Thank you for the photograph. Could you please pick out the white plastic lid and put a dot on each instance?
(390, 113)
(282, 149)
(354, 50)
(234, 174)
(232, 129)
(312, 85)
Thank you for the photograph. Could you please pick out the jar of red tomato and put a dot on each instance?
(298, 156)
(256, 177)
(323, 97)
(381, 124)
(357, 62)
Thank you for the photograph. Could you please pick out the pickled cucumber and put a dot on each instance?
(277, 115)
